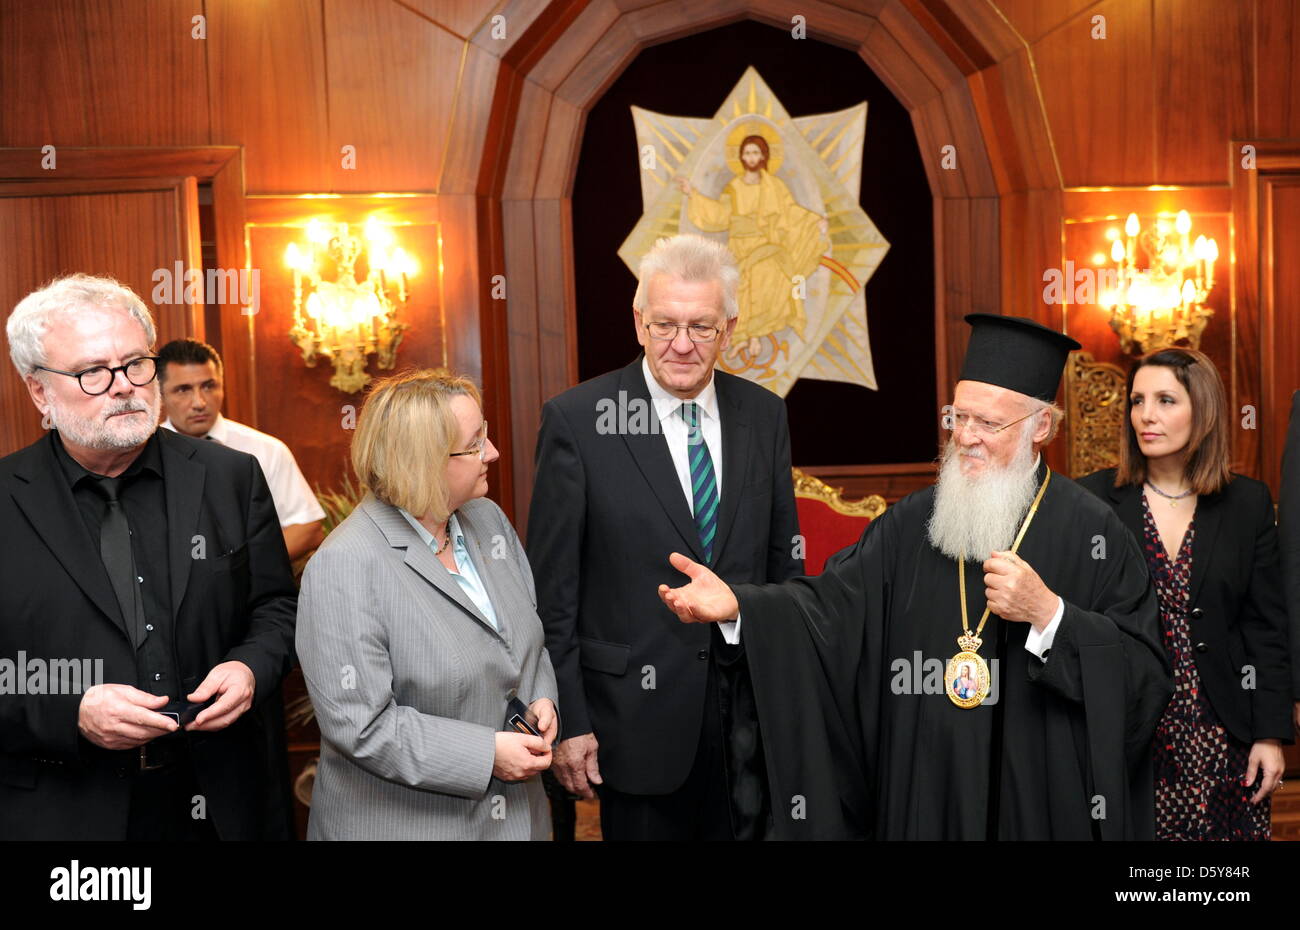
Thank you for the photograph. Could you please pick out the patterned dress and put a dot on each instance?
(1199, 765)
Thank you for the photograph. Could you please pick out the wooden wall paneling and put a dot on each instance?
(1017, 123)
(1120, 201)
(1244, 275)
(904, 77)
(1277, 69)
(824, 22)
(1098, 95)
(930, 53)
(468, 129)
(266, 65)
(973, 35)
(499, 135)
(494, 340)
(559, 160)
(891, 482)
(953, 292)
(556, 305)
(933, 134)
(151, 93)
(1203, 80)
(235, 339)
(1264, 289)
(1031, 243)
(1279, 342)
(527, 146)
(524, 355)
(45, 73)
(966, 278)
(963, 120)
(392, 79)
(597, 70)
(204, 162)
(462, 283)
(1032, 19)
(462, 18)
(661, 20)
(186, 320)
(577, 43)
(533, 27)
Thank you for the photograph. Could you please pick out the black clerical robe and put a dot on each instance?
(861, 739)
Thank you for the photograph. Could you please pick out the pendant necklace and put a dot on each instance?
(966, 679)
(1172, 498)
(446, 538)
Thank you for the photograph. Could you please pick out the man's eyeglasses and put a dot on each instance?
(479, 446)
(98, 380)
(698, 332)
(957, 420)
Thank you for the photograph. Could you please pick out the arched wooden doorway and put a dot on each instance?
(939, 62)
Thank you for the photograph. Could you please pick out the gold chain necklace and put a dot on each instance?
(967, 677)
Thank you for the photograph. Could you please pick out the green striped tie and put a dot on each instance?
(704, 486)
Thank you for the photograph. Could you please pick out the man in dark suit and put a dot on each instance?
(1288, 527)
(664, 455)
(141, 573)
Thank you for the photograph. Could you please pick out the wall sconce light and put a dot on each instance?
(346, 319)
(1164, 304)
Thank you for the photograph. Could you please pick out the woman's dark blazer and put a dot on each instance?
(1236, 612)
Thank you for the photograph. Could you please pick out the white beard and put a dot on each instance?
(104, 434)
(974, 516)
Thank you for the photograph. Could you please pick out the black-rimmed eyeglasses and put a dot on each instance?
(99, 379)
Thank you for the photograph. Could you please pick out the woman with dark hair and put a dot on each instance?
(1210, 540)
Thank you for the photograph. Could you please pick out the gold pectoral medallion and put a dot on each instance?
(966, 679)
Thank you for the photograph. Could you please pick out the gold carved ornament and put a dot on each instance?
(1094, 397)
(812, 488)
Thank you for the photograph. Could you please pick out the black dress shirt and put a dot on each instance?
(145, 502)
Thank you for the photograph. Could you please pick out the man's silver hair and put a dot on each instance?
(31, 319)
(689, 257)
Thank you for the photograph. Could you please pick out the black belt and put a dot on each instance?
(162, 753)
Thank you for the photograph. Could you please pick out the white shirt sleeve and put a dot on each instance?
(731, 631)
(1038, 643)
(294, 501)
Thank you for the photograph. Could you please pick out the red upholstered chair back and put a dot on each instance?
(827, 521)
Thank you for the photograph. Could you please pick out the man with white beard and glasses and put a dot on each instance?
(151, 558)
(1004, 567)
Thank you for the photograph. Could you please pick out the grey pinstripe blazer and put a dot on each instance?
(409, 681)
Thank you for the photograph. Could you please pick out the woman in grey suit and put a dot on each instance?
(417, 624)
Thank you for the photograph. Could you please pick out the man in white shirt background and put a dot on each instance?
(190, 373)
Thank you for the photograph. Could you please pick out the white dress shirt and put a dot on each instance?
(294, 501)
(673, 426)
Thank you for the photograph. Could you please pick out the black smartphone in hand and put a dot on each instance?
(517, 714)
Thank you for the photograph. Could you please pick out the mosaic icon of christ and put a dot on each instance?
(777, 243)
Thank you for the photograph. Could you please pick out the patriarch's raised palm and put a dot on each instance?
(705, 599)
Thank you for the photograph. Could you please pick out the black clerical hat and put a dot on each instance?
(1016, 353)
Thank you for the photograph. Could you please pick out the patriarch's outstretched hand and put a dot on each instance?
(705, 599)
